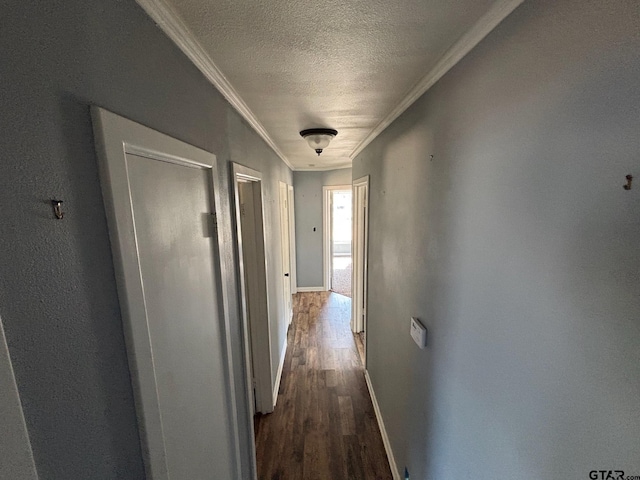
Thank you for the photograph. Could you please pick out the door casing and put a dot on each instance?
(327, 233)
(285, 252)
(360, 256)
(292, 240)
(254, 300)
(117, 137)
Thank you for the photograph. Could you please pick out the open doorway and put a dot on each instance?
(341, 259)
(338, 225)
(360, 258)
(253, 286)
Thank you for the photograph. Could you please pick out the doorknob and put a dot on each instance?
(286, 274)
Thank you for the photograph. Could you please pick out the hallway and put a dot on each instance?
(324, 425)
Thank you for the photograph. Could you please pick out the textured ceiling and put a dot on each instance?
(329, 63)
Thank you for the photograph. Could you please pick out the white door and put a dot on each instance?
(172, 211)
(160, 219)
(245, 195)
(259, 371)
(286, 250)
(292, 241)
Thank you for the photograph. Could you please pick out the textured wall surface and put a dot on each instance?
(58, 298)
(308, 212)
(519, 249)
(15, 448)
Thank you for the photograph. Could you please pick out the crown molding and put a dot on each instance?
(500, 10)
(171, 23)
(325, 168)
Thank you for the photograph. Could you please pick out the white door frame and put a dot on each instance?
(285, 250)
(360, 256)
(292, 240)
(256, 331)
(326, 232)
(116, 137)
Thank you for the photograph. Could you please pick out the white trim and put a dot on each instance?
(359, 304)
(324, 168)
(226, 254)
(115, 137)
(285, 250)
(171, 23)
(261, 353)
(311, 289)
(326, 238)
(490, 20)
(292, 242)
(163, 156)
(276, 386)
(383, 431)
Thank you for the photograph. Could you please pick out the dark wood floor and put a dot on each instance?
(324, 426)
(359, 338)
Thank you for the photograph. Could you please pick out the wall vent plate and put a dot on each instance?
(418, 332)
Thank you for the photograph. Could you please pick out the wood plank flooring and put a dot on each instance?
(359, 338)
(324, 426)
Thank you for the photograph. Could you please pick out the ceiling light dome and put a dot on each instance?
(318, 138)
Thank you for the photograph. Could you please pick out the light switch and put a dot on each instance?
(418, 332)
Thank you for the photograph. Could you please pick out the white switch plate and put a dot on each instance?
(418, 332)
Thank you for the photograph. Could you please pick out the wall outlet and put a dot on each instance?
(418, 332)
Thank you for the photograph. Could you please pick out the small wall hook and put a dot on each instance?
(57, 209)
(629, 180)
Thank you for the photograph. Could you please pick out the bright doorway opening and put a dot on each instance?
(340, 241)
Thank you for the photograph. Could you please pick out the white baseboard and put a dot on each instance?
(383, 431)
(276, 387)
(311, 289)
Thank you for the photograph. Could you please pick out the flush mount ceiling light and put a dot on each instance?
(318, 138)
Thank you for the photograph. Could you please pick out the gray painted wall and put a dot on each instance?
(58, 298)
(519, 249)
(15, 448)
(307, 187)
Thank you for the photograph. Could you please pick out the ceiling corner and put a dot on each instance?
(169, 21)
(500, 10)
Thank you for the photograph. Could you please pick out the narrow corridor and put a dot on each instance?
(324, 426)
